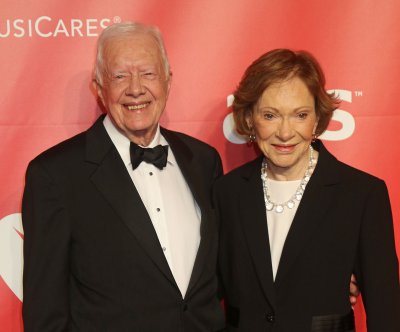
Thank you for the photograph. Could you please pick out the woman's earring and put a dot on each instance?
(314, 137)
(252, 138)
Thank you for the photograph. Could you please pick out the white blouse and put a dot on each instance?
(279, 223)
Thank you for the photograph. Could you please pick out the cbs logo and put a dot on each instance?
(343, 117)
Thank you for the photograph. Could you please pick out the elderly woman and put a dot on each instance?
(296, 223)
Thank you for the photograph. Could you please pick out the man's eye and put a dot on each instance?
(149, 75)
(117, 77)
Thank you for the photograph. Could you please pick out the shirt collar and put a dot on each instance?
(122, 143)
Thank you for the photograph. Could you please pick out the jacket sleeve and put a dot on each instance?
(46, 250)
(377, 268)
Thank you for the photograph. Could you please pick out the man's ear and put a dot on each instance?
(169, 82)
(99, 90)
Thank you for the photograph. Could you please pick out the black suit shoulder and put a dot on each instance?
(240, 173)
(190, 141)
(333, 170)
(191, 149)
(61, 161)
(76, 154)
(356, 174)
(65, 149)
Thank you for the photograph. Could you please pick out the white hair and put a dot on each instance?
(124, 29)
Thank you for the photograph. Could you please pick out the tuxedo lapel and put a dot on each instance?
(255, 229)
(318, 196)
(188, 164)
(113, 181)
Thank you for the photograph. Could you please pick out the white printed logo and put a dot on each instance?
(46, 27)
(11, 252)
(344, 117)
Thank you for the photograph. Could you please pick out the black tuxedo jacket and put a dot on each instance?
(93, 261)
(343, 225)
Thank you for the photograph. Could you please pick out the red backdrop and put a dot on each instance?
(47, 51)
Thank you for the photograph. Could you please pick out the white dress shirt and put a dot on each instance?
(170, 204)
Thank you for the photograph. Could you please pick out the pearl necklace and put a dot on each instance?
(290, 204)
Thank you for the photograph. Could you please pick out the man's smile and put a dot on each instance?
(136, 107)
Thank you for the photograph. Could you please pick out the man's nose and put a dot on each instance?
(135, 87)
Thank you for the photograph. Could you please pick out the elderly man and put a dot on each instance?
(119, 231)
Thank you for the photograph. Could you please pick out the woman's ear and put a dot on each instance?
(249, 120)
(315, 126)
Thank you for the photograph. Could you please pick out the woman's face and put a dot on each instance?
(284, 121)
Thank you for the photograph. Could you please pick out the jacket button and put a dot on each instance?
(270, 318)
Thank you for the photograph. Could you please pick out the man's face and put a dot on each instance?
(135, 86)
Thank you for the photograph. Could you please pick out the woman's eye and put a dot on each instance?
(268, 116)
(302, 115)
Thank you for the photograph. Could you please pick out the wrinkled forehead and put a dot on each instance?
(135, 44)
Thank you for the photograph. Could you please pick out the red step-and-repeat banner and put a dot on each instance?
(47, 52)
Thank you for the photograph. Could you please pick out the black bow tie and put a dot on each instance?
(156, 156)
